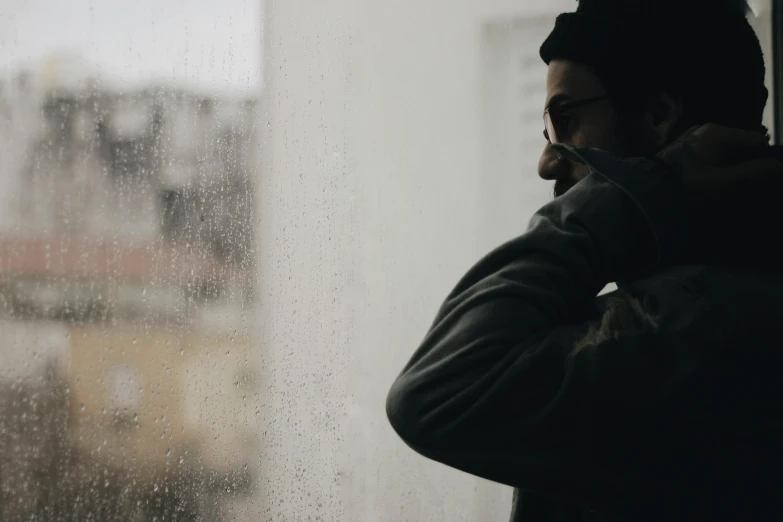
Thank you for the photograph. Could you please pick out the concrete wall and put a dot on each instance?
(390, 165)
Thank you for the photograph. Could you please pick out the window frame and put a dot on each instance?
(777, 64)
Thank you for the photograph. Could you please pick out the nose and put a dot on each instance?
(551, 166)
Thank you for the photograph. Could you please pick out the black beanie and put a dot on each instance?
(705, 50)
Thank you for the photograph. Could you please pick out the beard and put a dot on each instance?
(563, 185)
(630, 142)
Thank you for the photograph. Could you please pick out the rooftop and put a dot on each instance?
(159, 260)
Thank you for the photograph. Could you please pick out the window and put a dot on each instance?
(128, 170)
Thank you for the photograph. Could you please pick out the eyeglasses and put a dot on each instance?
(556, 120)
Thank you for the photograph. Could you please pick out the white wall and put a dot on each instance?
(762, 24)
(383, 183)
(372, 204)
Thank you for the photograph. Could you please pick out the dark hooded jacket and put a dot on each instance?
(660, 401)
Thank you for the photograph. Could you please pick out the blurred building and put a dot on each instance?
(146, 164)
(129, 371)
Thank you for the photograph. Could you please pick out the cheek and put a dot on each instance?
(599, 136)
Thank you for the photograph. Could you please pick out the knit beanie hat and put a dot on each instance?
(704, 50)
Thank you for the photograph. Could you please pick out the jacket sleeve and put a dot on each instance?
(494, 389)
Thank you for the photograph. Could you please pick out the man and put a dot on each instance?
(661, 401)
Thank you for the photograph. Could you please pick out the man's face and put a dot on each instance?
(593, 124)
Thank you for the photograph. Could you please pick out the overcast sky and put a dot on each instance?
(210, 45)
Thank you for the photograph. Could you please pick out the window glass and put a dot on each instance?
(129, 162)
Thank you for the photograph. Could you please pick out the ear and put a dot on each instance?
(664, 114)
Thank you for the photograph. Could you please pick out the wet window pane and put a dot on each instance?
(129, 359)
